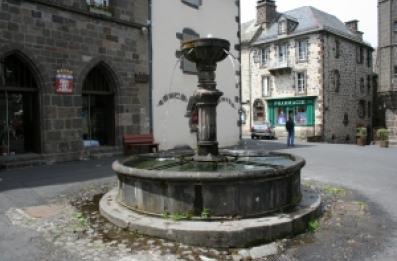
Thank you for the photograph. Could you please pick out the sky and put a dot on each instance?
(363, 10)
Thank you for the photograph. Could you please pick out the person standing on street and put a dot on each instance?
(290, 126)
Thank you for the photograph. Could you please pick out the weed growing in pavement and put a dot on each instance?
(313, 225)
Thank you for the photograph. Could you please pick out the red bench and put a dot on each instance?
(132, 142)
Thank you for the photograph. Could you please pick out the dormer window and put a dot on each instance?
(282, 27)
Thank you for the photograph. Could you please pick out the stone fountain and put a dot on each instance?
(226, 198)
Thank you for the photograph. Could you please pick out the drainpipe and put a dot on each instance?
(150, 54)
(323, 58)
(240, 85)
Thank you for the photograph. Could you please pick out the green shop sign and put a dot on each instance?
(280, 103)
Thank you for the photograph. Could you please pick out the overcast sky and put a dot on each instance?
(363, 10)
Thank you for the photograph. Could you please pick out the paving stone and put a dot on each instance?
(264, 250)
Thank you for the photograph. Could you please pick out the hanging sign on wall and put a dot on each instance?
(64, 81)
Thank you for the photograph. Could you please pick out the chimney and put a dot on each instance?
(353, 27)
(266, 12)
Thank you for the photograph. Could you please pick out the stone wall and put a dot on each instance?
(54, 35)
(283, 84)
(345, 100)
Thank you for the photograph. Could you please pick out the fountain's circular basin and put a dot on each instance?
(248, 184)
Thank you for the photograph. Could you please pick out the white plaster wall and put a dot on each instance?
(215, 17)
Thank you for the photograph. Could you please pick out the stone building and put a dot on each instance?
(308, 64)
(73, 74)
(175, 78)
(387, 64)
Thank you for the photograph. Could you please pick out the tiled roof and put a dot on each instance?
(248, 29)
(309, 19)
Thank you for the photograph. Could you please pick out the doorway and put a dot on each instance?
(19, 108)
(98, 108)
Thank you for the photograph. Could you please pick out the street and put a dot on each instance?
(369, 170)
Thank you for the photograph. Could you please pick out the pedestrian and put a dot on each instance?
(290, 126)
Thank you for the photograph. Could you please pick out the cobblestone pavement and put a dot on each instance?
(67, 226)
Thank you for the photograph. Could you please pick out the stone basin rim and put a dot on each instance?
(206, 42)
(216, 176)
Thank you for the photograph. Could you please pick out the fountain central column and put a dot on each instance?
(206, 53)
(207, 97)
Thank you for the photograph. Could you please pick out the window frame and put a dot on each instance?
(282, 27)
(282, 46)
(266, 79)
(301, 83)
(265, 56)
(305, 44)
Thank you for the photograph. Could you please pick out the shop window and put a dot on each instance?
(265, 86)
(281, 116)
(192, 3)
(300, 116)
(337, 48)
(300, 82)
(19, 107)
(301, 50)
(98, 107)
(395, 26)
(186, 65)
(395, 72)
(265, 56)
(336, 81)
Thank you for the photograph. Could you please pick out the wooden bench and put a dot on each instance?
(131, 142)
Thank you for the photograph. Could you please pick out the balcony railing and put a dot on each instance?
(280, 66)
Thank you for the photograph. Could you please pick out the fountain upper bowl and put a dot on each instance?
(205, 50)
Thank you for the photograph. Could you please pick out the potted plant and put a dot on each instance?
(383, 137)
(361, 136)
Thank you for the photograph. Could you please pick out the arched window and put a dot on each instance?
(98, 107)
(19, 107)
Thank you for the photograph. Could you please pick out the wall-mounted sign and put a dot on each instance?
(64, 81)
(172, 95)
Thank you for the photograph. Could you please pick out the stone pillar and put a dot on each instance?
(207, 97)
